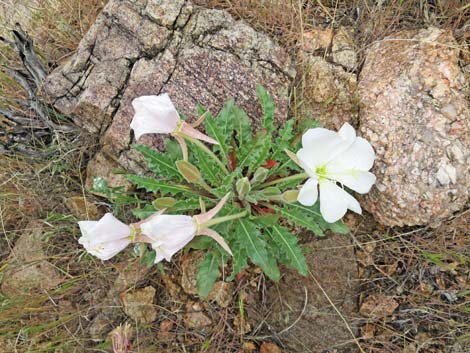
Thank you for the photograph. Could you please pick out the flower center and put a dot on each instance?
(321, 172)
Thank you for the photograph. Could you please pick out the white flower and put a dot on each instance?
(106, 237)
(170, 233)
(158, 115)
(329, 158)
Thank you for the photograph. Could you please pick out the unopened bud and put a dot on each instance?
(243, 187)
(290, 196)
(260, 175)
(163, 202)
(189, 172)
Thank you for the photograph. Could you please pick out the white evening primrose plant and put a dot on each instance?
(260, 192)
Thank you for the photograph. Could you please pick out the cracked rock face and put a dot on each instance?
(329, 89)
(415, 113)
(146, 47)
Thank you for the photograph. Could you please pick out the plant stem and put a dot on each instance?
(207, 151)
(283, 180)
(224, 219)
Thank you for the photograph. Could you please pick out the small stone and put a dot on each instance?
(222, 293)
(189, 264)
(138, 304)
(81, 208)
(267, 347)
(249, 347)
(318, 38)
(27, 270)
(196, 320)
(164, 333)
(378, 306)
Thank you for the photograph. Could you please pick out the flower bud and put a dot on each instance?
(260, 175)
(290, 196)
(188, 171)
(163, 202)
(243, 187)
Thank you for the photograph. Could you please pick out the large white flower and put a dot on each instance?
(158, 115)
(329, 158)
(170, 233)
(106, 237)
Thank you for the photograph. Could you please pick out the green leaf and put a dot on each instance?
(309, 217)
(221, 129)
(148, 258)
(173, 150)
(283, 140)
(189, 205)
(313, 213)
(226, 183)
(144, 212)
(208, 271)
(296, 217)
(152, 185)
(268, 106)
(256, 248)
(211, 172)
(257, 152)
(240, 260)
(290, 252)
(158, 162)
(242, 127)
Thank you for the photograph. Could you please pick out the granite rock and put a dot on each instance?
(415, 113)
(194, 54)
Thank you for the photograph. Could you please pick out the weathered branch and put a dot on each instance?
(29, 58)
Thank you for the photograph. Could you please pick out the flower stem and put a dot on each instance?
(224, 219)
(283, 180)
(208, 152)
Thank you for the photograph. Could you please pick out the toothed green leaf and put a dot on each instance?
(159, 163)
(290, 252)
(221, 129)
(256, 247)
(207, 273)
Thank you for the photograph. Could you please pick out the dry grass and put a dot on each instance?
(419, 267)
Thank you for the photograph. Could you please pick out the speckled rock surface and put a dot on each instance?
(329, 87)
(416, 115)
(153, 46)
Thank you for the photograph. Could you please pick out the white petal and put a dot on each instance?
(308, 194)
(347, 132)
(358, 181)
(359, 156)
(86, 227)
(154, 114)
(334, 202)
(106, 250)
(108, 228)
(169, 233)
(319, 146)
